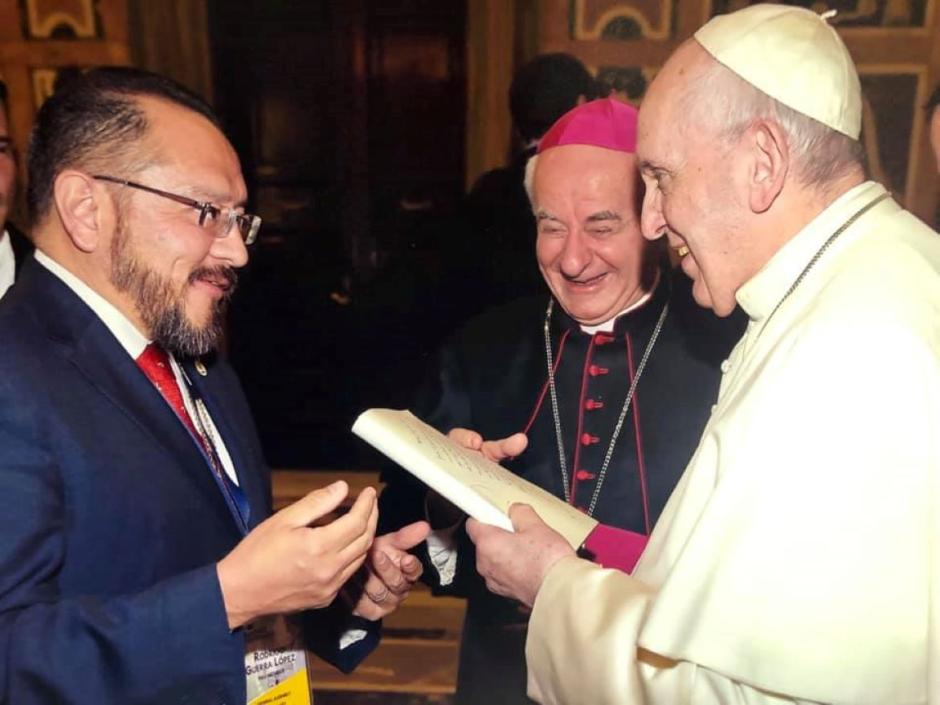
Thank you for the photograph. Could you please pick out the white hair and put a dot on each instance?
(530, 177)
(729, 104)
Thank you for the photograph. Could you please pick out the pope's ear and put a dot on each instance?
(771, 162)
(81, 203)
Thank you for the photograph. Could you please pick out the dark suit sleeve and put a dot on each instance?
(324, 629)
(168, 643)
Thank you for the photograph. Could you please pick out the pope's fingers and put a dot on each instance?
(478, 531)
(473, 529)
(523, 516)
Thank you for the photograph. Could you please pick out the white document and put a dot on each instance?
(480, 487)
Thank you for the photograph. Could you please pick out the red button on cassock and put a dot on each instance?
(585, 475)
(587, 439)
(601, 339)
(592, 404)
(594, 370)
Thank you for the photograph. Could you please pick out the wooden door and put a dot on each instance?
(349, 118)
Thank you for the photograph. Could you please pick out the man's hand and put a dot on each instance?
(515, 564)
(497, 451)
(285, 565)
(389, 573)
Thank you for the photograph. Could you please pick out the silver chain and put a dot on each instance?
(623, 411)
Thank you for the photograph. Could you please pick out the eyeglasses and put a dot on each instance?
(218, 219)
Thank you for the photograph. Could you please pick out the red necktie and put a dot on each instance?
(155, 363)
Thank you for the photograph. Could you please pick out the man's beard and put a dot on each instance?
(161, 308)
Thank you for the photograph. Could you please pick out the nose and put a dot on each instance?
(230, 249)
(575, 255)
(652, 221)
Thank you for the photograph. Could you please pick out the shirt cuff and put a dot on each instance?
(351, 636)
(442, 550)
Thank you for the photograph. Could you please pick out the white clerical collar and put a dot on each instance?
(762, 292)
(131, 339)
(7, 262)
(608, 326)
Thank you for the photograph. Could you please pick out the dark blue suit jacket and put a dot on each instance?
(110, 521)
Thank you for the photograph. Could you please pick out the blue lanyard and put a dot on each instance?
(234, 496)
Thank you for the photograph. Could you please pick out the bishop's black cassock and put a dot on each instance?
(492, 377)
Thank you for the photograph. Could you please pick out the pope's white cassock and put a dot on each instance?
(798, 559)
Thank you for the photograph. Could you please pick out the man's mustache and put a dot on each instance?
(227, 277)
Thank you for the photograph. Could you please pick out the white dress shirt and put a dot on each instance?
(7, 262)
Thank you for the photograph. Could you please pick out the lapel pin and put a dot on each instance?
(200, 368)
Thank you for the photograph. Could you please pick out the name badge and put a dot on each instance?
(276, 664)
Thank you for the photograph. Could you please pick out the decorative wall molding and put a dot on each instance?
(40, 38)
(894, 42)
(854, 15)
(616, 20)
(43, 81)
(60, 19)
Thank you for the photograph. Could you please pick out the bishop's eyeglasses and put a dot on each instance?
(217, 219)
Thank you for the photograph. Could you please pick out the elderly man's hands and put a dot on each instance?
(286, 565)
(389, 574)
(515, 564)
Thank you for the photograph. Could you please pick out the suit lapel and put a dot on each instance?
(93, 350)
(214, 396)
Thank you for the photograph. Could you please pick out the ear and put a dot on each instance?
(770, 166)
(80, 204)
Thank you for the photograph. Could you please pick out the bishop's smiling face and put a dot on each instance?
(589, 246)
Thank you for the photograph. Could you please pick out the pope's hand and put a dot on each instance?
(389, 574)
(515, 564)
(286, 565)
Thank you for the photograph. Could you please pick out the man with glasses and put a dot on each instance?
(137, 559)
(14, 246)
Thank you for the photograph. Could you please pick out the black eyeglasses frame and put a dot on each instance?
(248, 224)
